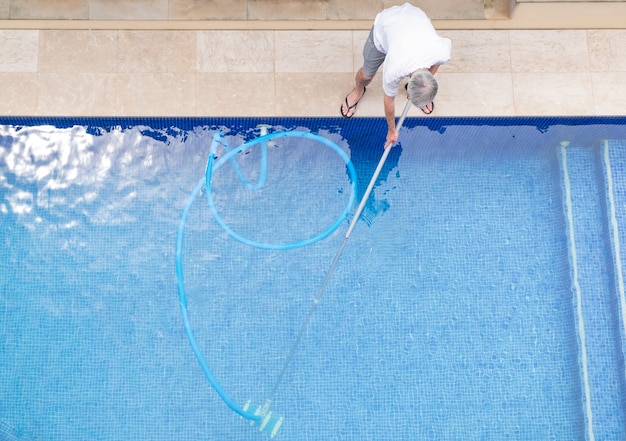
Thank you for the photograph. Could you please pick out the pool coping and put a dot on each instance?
(576, 15)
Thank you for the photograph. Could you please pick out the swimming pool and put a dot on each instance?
(480, 296)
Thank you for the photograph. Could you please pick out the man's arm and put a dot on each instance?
(390, 116)
(390, 113)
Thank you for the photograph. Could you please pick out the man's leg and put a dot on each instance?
(372, 60)
(360, 82)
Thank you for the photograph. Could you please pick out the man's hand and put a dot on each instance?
(390, 116)
(392, 137)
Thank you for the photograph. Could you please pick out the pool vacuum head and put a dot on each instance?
(268, 423)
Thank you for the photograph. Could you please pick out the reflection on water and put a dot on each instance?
(47, 161)
(45, 168)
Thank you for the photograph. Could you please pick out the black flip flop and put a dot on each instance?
(427, 112)
(350, 107)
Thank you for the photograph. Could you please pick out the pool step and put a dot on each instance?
(614, 167)
(587, 188)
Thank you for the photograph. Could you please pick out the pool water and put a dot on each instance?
(480, 295)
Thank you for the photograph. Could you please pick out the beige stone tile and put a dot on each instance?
(474, 94)
(19, 93)
(313, 51)
(19, 50)
(287, 10)
(235, 94)
(607, 49)
(478, 51)
(353, 9)
(609, 93)
(77, 51)
(358, 41)
(155, 94)
(128, 10)
(4, 9)
(156, 51)
(549, 51)
(208, 9)
(75, 94)
(553, 93)
(50, 9)
(235, 51)
(311, 94)
(446, 9)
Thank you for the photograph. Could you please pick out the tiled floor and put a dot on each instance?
(204, 72)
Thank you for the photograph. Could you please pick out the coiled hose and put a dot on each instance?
(213, 165)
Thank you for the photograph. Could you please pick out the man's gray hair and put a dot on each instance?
(422, 88)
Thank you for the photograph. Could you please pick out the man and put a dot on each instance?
(404, 38)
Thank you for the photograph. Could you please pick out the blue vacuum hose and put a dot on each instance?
(256, 414)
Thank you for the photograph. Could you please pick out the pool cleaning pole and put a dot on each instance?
(357, 214)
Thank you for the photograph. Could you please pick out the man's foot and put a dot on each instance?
(429, 108)
(348, 110)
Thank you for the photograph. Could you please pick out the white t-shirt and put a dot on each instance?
(407, 37)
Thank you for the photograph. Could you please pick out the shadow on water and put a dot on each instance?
(365, 155)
